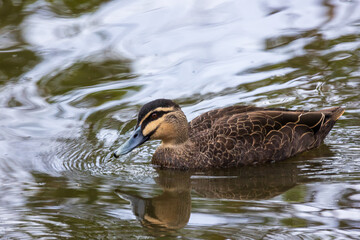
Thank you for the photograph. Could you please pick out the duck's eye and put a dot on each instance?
(154, 116)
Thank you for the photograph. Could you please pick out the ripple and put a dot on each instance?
(73, 76)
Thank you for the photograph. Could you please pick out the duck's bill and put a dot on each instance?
(135, 140)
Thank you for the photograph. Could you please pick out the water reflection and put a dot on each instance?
(171, 209)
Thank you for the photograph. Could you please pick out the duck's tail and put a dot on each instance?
(331, 115)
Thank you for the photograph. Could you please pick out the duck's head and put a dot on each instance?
(161, 119)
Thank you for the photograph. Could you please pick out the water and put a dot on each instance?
(73, 75)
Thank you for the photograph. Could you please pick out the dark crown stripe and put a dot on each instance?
(155, 104)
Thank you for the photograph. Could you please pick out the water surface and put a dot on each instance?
(73, 75)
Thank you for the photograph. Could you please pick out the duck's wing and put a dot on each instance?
(206, 120)
(265, 135)
(314, 123)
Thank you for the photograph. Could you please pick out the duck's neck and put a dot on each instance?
(174, 155)
(173, 144)
(179, 134)
(181, 139)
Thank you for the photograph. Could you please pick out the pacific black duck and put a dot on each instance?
(228, 137)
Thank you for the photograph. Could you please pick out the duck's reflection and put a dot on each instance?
(171, 210)
(249, 183)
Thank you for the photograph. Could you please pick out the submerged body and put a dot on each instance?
(228, 137)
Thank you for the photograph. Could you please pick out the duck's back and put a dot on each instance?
(241, 135)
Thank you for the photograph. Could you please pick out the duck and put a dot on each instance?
(228, 137)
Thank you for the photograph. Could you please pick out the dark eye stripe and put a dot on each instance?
(152, 132)
(149, 119)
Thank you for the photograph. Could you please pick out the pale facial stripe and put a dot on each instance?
(151, 126)
(159, 109)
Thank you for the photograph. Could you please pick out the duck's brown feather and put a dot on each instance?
(239, 135)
